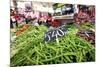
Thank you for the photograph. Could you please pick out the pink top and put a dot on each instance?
(27, 14)
(36, 14)
(32, 15)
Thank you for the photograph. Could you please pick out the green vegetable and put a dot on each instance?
(30, 49)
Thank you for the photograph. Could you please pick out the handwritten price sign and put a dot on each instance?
(55, 33)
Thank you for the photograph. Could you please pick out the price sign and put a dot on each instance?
(55, 33)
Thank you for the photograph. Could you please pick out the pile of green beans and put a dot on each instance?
(30, 49)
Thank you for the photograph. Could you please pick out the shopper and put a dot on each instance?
(13, 19)
(27, 17)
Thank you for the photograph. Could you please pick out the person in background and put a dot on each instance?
(56, 23)
(11, 14)
(13, 19)
(21, 15)
(27, 17)
(35, 18)
(82, 15)
(52, 22)
(49, 20)
(92, 14)
(41, 18)
(17, 18)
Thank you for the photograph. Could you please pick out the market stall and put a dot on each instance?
(48, 34)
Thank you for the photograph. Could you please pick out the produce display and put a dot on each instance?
(87, 32)
(29, 48)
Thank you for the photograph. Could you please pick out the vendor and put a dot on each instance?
(49, 20)
(82, 15)
(52, 22)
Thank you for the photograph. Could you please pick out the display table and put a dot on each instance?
(71, 16)
(64, 19)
